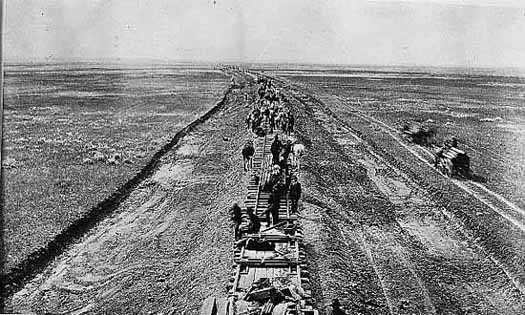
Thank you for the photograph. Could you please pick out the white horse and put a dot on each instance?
(297, 151)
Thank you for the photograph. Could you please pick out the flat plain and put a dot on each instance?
(75, 132)
(385, 232)
(484, 109)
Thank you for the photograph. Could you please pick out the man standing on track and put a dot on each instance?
(295, 193)
(273, 209)
(275, 149)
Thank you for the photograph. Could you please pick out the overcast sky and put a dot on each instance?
(302, 31)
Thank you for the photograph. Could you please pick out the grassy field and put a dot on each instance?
(483, 110)
(74, 133)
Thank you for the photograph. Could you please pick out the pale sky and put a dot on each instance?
(461, 33)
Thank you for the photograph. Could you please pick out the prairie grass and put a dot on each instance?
(73, 134)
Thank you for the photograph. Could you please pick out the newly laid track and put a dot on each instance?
(283, 263)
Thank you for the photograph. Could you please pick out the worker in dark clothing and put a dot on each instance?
(275, 149)
(271, 124)
(336, 308)
(255, 224)
(295, 193)
(273, 209)
(235, 216)
(279, 189)
(247, 155)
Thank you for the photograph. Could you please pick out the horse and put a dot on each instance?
(297, 151)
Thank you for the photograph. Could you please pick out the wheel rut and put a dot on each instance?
(408, 243)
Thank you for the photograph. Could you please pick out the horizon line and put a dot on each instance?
(120, 60)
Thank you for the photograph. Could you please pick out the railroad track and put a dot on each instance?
(281, 260)
(262, 161)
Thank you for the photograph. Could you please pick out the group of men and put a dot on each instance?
(281, 181)
(269, 111)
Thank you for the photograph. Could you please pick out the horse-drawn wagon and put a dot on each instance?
(416, 133)
(452, 161)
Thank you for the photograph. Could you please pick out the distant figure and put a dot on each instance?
(336, 308)
(291, 123)
(247, 154)
(249, 121)
(271, 123)
(295, 193)
(236, 217)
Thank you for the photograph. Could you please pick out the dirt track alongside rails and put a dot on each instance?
(168, 245)
(397, 251)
